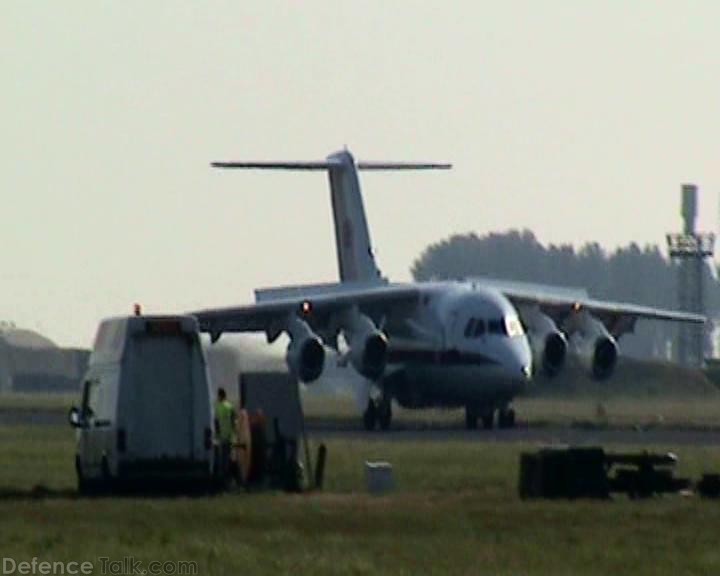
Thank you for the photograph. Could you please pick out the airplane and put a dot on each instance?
(457, 344)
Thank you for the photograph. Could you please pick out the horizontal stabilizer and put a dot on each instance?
(331, 163)
(321, 165)
(403, 166)
(356, 261)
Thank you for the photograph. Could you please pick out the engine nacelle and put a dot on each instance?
(548, 344)
(597, 349)
(549, 352)
(305, 354)
(604, 357)
(368, 346)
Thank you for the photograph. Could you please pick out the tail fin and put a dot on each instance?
(356, 262)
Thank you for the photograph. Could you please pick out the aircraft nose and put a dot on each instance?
(521, 363)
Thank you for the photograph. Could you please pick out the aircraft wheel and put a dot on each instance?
(511, 418)
(106, 483)
(506, 418)
(370, 416)
(471, 418)
(385, 414)
(487, 418)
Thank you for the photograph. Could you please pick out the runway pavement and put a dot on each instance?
(527, 435)
(327, 429)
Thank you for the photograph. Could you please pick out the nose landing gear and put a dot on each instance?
(505, 419)
(378, 412)
(370, 415)
(485, 414)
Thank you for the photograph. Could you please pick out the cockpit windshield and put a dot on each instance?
(513, 326)
(508, 326)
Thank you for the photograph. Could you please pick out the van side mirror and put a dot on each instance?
(75, 418)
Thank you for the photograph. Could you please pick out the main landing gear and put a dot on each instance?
(378, 412)
(486, 415)
(506, 418)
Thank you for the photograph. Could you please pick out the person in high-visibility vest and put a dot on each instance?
(225, 419)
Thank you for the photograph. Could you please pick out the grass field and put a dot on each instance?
(455, 511)
(20, 401)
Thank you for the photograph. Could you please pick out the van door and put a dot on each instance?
(161, 376)
(90, 449)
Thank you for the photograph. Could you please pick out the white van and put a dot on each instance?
(146, 409)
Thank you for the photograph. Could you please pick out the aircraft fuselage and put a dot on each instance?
(464, 345)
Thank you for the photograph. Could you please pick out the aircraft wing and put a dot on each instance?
(618, 317)
(317, 309)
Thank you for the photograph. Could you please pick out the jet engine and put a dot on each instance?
(604, 357)
(549, 350)
(368, 346)
(547, 342)
(596, 347)
(305, 354)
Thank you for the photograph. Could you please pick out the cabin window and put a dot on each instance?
(479, 328)
(470, 328)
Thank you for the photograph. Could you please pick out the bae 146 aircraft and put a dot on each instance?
(471, 344)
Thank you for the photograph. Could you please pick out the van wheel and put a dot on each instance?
(106, 483)
(84, 486)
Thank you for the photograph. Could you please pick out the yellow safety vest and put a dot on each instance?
(224, 413)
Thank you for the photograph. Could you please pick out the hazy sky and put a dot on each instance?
(578, 120)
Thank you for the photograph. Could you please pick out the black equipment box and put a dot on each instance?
(591, 473)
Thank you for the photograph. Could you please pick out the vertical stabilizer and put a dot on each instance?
(356, 262)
